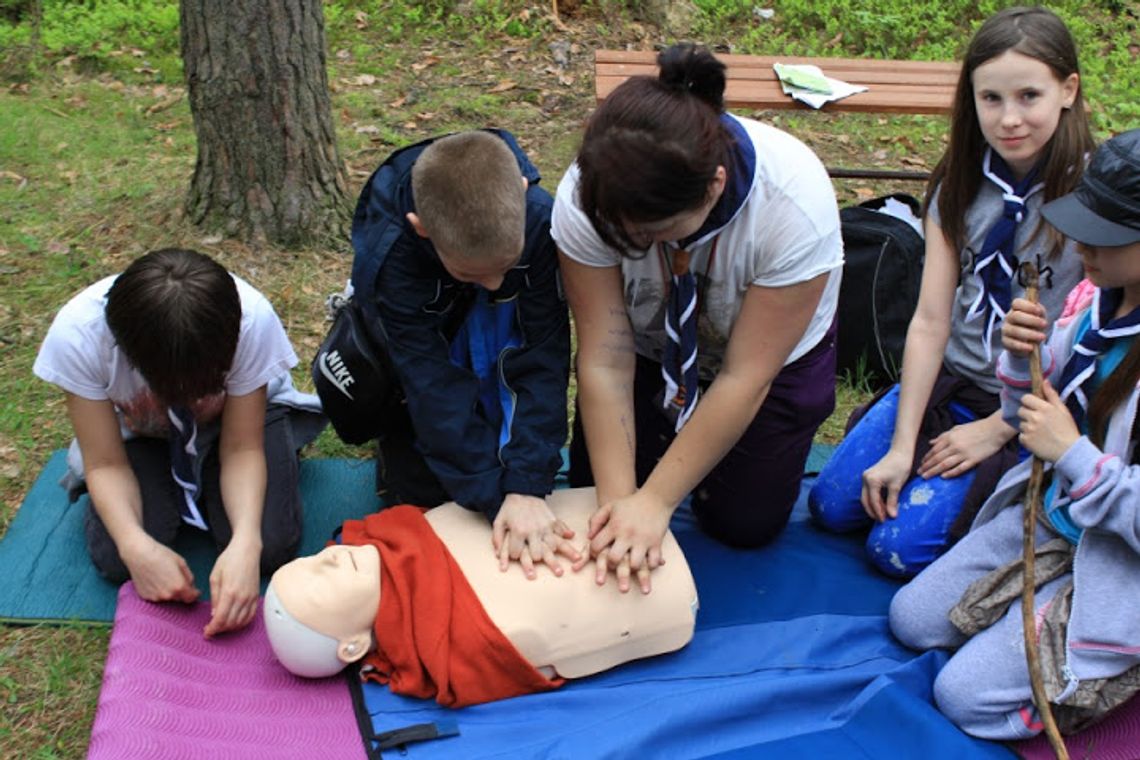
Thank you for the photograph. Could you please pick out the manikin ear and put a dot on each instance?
(353, 648)
(414, 220)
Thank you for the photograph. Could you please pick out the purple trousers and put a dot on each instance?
(746, 499)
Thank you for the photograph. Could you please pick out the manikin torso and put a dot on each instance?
(570, 625)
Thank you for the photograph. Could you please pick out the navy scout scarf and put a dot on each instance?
(679, 367)
(1075, 386)
(183, 463)
(996, 263)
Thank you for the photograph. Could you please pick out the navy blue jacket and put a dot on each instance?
(416, 305)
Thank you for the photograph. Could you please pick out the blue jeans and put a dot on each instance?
(904, 545)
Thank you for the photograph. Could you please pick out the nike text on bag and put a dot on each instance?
(353, 377)
(882, 273)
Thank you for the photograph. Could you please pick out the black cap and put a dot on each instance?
(1104, 209)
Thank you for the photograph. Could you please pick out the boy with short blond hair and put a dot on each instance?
(457, 277)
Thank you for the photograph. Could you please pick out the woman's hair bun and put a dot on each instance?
(690, 68)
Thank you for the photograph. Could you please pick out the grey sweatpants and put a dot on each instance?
(984, 688)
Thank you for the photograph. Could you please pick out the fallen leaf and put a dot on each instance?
(368, 129)
(211, 240)
(144, 70)
(913, 160)
(565, 79)
(430, 60)
(161, 91)
(20, 88)
(137, 53)
(173, 100)
(363, 80)
(425, 116)
(504, 85)
(343, 55)
(361, 20)
(409, 125)
(844, 139)
(11, 471)
(864, 193)
(56, 247)
(398, 102)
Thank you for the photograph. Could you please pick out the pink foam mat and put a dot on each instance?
(1117, 737)
(168, 692)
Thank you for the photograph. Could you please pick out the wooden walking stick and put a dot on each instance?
(1031, 509)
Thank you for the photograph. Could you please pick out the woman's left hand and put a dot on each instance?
(625, 536)
(961, 448)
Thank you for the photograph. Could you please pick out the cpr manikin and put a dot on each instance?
(321, 611)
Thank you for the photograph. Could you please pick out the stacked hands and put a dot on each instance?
(1047, 429)
(625, 537)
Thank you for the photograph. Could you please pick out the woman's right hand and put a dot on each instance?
(887, 475)
(1024, 327)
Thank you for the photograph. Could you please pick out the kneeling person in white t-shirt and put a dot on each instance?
(177, 381)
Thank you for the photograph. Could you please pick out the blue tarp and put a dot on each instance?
(792, 658)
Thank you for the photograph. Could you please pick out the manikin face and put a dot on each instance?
(1019, 101)
(335, 592)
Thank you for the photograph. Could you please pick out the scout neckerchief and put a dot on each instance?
(679, 361)
(1081, 367)
(996, 263)
(183, 463)
(682, 309)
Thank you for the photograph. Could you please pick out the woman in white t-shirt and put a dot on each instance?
(177, 381)
(702, 256)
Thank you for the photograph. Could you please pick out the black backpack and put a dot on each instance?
(881, 278)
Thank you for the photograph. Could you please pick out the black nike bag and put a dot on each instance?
(354, 376)
(882, 273)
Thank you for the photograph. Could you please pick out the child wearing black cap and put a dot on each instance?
(1085, 429)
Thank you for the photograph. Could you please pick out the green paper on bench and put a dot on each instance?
(48, 576)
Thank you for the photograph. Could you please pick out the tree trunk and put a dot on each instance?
(268, 168)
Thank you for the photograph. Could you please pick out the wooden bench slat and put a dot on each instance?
(768, 74)
(920, 87)
(768, 95)
(646, 57)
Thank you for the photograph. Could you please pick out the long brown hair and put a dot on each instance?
(1039, 34)
(1113, 392)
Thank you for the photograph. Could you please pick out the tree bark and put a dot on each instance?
(268, 168)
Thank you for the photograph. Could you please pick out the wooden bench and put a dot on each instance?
(899, 87)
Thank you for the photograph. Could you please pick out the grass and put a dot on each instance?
(98, 147)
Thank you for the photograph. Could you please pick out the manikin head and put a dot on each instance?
(320, 610)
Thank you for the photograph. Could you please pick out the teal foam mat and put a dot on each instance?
(48, 576)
